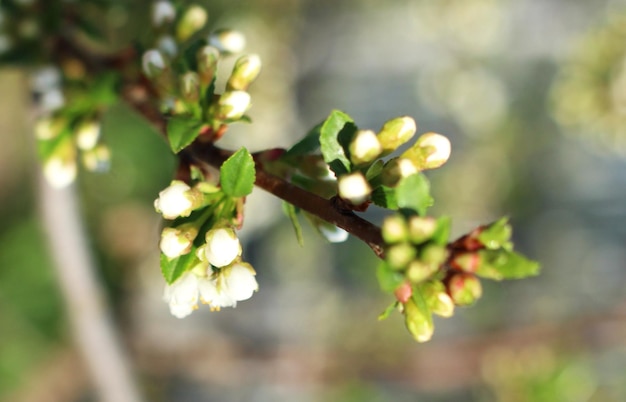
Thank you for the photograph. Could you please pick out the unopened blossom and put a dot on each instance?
(233, 104)
(191, 22)
(97, 159)
(167, 44)
(365, 147)
(354, 188)
(162, 12)
(175, 200)
(60, 172)
(87, 135)
(152, 63)
(228, 41)
(245, 71)
(396, 132)
(222, 247)
(177, 241)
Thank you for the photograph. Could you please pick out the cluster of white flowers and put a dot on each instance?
(220, 280)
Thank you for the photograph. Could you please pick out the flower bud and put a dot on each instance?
(233, 104)
(331, 232)
(354, 188)
(52, 100)
(430, 151)
(397, 169)
(163, 12)
(97, 159)
(60, 171)
(467, 262)
(464, 289)
(228, 41)
(437, 299)
(434, 254)
(394, 229)
(177, 241)
(45, 78)
(222, 247)
(400, 255)
(396, 132)
(404, 292)
(245, 71)
(48, 128)
(240, 282)
(364, 147)
(419, 271)
(190, 86)
(87, 134)
(418, 321)
(207, 58)
(178, 199)
(421, 229)
(153, 63)
(191, 22)
(167, 45)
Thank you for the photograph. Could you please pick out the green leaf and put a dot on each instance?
(292, 212)
(181, 131)
(306, 145)
(413, 192)
(496, 235)
(442, 232)
(375, 169)
(173, 269)
(388, 278)
(237, 174)
(390, 308)
(385, 197)
(505, 264)
(333, 133)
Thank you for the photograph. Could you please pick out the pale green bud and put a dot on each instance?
(437, 299)
(48, 128)
(191, 22)
(397, 169)
(246, 70)
(228, 41)
(364, 147)
(400, 255)
(418, 271)
(434, 254)
(207, 63)
(421, 228)
(190, 86)
(394, 229)
(232, 105)
(354, 188)
(396, 132)
(418, 321)
(430, 151)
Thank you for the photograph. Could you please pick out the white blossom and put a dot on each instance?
(177, 241)
(233, 284)
(87, 135)
(174, 201)
(233, 104)
(60, 172)
(228, 41)
(222, 247)
(354, 188)
(162, 12)
(183, 295)
(152, 62)
(365, 147)
(440, 146)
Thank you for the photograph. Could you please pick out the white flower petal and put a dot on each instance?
(222, 247)
(240, 282)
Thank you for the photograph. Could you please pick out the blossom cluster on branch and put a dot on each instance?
(334, 172)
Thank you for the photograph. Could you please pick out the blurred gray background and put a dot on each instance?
(532, 94)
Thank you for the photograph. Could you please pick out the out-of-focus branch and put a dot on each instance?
(88, 314)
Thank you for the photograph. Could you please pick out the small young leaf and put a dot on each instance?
(237, 174)
(504, 264)
(390, 308)
(496, 235)
(442, 233)
(181, 131)
(384, 197)
(306, 145)
(331, 139)
(173, 269)
(375, 169)
(388, 278)
(291, 211)
(418, 317)
(413, 192)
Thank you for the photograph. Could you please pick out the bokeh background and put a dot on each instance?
(532, 94)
